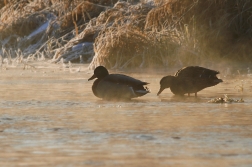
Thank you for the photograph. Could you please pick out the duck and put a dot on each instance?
(190, 79)
(116, 86)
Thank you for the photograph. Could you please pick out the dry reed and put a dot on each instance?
(131, 34)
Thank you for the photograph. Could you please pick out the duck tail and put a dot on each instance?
(141, 92)
(216, 81)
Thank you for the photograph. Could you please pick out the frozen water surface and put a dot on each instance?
(50, 117)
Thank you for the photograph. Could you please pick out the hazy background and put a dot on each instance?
(49, 115)
(133, 33)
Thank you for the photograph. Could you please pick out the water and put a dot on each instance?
(50, 117)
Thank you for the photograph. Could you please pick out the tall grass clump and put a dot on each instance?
(132, 33)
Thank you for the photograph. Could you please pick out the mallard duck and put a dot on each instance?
(191, 79)
(116, 86)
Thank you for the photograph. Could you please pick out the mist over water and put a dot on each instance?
(50, 117)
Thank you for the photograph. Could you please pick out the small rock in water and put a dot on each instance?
(226, 99)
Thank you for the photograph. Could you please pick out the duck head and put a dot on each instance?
(165, 82)
(99, 72)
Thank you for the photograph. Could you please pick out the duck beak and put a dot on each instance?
(93, 77)
(160, 90)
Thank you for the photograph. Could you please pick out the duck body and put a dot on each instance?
(116, 86)
(191, 79)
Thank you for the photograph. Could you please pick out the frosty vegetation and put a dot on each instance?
(126, 33)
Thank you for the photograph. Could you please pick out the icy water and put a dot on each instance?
(50, 117)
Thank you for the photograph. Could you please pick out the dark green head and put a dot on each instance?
(99, 72)
(165, 82)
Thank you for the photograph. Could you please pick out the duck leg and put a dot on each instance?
(195, 94)
(188, 94)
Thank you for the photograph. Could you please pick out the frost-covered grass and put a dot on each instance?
(135, 33)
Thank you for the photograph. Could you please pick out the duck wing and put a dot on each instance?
(134, 84)
(110, 90)
(196, 72)
(124, 80)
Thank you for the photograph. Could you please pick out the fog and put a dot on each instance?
(50, 117)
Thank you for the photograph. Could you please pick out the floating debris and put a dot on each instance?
(225, 99)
